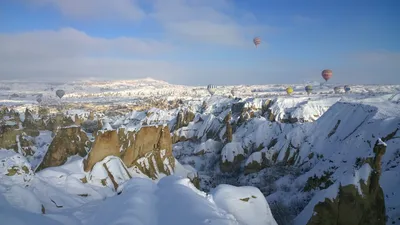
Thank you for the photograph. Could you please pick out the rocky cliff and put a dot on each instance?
(69, 141)
(148, 149)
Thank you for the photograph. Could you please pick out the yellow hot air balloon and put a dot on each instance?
(289, 90)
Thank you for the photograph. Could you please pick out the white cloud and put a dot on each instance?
(69, 42)
(72, 54)
(206, 21)
(70, 69)
(95, 9)
(192, 21)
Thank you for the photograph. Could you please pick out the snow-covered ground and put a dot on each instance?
(279, 143)
(56, 196)
(126, 91)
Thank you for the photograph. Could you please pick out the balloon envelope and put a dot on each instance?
(308, 89)
(326, 74)
(211, 89)
(289, 90)
(60, 93)
(257, 41)
(347, 88)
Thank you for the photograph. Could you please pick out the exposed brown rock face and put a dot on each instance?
(67, 142)
(78, 120)
(12, 137)
(91, 116)
(106, 144)
(228, 132)
(350, 207)
(149, 149)
(183, 119)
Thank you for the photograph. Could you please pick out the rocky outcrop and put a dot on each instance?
(17, 140)
(69, 141)
(110, 172)
(53, 123)
(92, 126)
(232, 156)
(353, 207)
(30, 125)
(8, 137)
(105, 144)
(149, 149)
(256, 162)
(78, 121)
(228, 128)
(183, 119)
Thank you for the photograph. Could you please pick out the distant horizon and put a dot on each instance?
(193, 42)
(194, 85)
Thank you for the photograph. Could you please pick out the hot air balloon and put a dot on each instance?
(289, 90)
(211, 89)
(337, 90)
(326, 74)
(60, 93)
(347, 88)
(308, 89)
(257, 41)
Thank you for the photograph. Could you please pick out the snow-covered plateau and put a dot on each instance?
(147, 152)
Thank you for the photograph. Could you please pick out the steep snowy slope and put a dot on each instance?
(293, 163)
(56, 196)
(299, 153)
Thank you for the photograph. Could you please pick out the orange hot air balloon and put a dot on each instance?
(256, 41)
(326, 74)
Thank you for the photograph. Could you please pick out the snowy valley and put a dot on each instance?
(149, 152)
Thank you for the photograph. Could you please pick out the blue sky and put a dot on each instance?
(199, 42)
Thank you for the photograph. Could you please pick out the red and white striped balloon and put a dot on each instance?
(326, 74)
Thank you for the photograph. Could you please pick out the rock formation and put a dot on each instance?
(149, 149)
(69, 141)
(183, 119)
(351, 206)
(228, 128)
(30, 125)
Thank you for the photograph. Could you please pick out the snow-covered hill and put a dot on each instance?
(303, 155)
